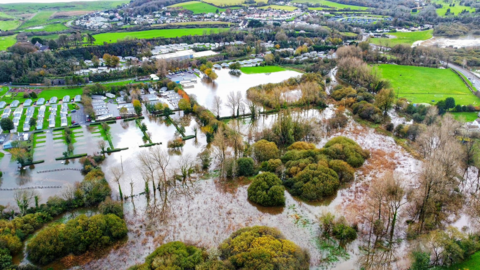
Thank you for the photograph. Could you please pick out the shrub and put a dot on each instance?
(111, 207)
(344, 233)
(347, 150)
(245, 166)
(76, 236)
(301, 146)
(267, 190)
(367, 111)
(344, 171)
(314, 182)
(174, 255)
(264, 150)
(262, 247)
(345, 92)
(273, 165)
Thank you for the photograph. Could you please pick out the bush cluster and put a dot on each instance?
(316, 173)
(267, 190)
(77, 236)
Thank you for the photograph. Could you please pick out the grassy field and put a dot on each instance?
(287, 8)
(9, 25)
(227, 3)
(456, 10)
(467, 116)
(196, 23)
(47, 37)
(7, 41)
(265, 69)
(330, 5)
(198, 7)
(67, 6)
(163, 33)
(49, 28)
(471, 263)
(403, 38)
(428, 85)
(40, 18)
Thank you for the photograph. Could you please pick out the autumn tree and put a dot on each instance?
(384, 100)
(137, 106)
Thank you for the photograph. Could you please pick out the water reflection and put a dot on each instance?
(205, 91)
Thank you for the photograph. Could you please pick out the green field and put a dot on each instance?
(330, 5)
(163, 33)
(198, 7)
(227, 3)
(40, 18)
(49, 28)
(467, 116)
(265, 69)
(471, 263)
(455, 9)
(9, 25)
(7, 41)
(407, 38)
(287, 8)
(194, 23)
(427, 85)
(67, 6)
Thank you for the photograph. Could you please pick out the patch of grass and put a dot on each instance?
(163, 33)
(22, 121)
(196, 23)
(455, 10)
(467, 116)
(471, 263)
(7, 41)
(40, 18)
(265, 69)
(330, 5)
(47, 37)
(407, 38)
(9, 25)
(198, 7)
(66, 6)
(55, 27)
(287, 8)
(58, 118)
(427, 85)
(227, 3)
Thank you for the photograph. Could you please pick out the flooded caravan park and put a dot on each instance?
(210, 210)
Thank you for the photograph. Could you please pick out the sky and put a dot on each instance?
(40, 1)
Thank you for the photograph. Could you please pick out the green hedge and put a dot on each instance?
(112, 122)
(188, 137)
(59, 128)
(38, 131)
(149, 144)
(95, 124)
(115, 150)
(70, 157)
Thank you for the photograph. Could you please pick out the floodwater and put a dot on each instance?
(205, 91)
(457, 42)
(208, 211)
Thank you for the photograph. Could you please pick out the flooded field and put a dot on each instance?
(457, 42)
(206, 91)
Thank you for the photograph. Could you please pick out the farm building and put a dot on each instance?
(66, 99)
(27, 103)
(40, 101)
(53, 100)
(78, 98)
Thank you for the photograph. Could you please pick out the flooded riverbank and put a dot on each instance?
(454, 42)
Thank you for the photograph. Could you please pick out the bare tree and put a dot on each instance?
(24, 199)
(238, 101)
(148, 166)
(217, 105)
(68, 192)
(117, 175)
(232, 102)
(220, 144)
(101, 144)
(162, 158)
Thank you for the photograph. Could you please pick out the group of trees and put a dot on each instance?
(314, 174)
(77, 236)
(311, 86)
(93, 190)
(248, 248)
